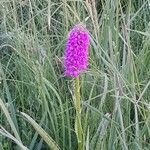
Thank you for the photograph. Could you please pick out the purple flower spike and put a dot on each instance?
(76, 52)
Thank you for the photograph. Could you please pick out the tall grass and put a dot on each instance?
(115, 91)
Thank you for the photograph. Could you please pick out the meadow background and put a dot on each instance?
(115, 90)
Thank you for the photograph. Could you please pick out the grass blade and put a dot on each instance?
(51, 143)
(7, 134)
(3, 107)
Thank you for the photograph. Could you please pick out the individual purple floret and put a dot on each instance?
(76, 51)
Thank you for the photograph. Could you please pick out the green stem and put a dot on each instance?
(78, 125)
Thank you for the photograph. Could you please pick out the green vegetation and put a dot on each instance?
(36, 99)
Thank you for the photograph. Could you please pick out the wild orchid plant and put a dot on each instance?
(76, 61)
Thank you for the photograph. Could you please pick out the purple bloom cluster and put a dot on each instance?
(76, 52)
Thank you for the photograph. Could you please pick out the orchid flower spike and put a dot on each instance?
(76, 51)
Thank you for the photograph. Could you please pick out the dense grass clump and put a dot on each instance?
(37, 100)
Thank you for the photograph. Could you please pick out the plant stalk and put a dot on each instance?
(78, 126)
